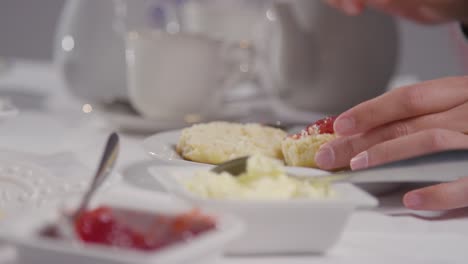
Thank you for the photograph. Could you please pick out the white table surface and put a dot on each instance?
(51, 121)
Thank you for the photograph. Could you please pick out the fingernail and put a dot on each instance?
(325, 157)
(413, 200)
(361, 161)
(351, 8)
(343, 125)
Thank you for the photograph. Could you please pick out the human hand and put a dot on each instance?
(405, 122)
(423, 11)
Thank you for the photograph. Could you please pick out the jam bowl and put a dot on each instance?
(111, 231)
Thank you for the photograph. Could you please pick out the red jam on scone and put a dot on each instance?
(300, 149)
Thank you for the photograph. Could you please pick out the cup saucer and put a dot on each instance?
(122, 116)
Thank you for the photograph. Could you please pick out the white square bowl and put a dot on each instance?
(21, 230)
(277, 227)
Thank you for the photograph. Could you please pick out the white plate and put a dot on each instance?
(275, 227)
(28, 180)
(21, 183)
(161, 146)
(21, 230)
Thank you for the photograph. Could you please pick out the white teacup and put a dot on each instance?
(173, 76)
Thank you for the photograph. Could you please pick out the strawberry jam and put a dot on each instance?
(139, 230)
(322, 126)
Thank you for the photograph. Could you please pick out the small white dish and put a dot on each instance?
(276, 227)
(21, 230)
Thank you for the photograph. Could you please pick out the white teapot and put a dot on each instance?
(327, 62)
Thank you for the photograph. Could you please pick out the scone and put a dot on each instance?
(300, 149)
(217, 142)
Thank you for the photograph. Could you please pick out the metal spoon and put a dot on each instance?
(104, 169)
(437, 167)
(111, 152)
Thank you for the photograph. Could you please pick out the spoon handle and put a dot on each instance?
(105, 167)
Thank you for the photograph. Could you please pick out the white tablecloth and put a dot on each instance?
(51, 121)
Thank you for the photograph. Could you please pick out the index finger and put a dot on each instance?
(406, 102)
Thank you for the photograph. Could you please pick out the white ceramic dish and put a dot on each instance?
(21, 231)
(275, 227)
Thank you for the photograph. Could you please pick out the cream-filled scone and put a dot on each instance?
(217, 142)
(300, 149)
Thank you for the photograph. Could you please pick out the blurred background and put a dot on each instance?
(27, 29)
(275, 61)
